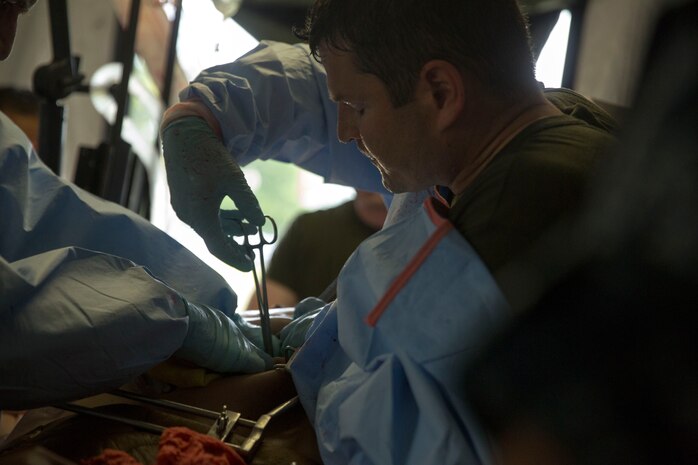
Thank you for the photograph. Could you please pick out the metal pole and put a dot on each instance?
(171, 56)
(117, 174)
(51, 116)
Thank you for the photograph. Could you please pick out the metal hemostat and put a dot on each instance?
(224, 422)
(261, 285)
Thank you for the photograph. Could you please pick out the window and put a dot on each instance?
(551, 62)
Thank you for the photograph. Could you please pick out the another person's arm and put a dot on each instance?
(43, 212)
(270, 104)
(75, 322)
(77, 315)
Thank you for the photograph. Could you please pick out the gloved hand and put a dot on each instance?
(293, 334)
(200, 173)
(254, 334)
(215, 342)
(307, 305)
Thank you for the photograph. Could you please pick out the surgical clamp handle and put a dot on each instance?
(174, 406)
(261, 289)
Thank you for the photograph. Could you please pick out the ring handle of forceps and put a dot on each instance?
(262, 240)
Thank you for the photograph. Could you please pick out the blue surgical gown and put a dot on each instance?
(86, 286)
(415, 303)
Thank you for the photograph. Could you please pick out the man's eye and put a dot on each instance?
(359, 109)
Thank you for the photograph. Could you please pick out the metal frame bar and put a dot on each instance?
(119, 163)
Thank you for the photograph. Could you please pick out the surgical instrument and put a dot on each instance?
(261, 287)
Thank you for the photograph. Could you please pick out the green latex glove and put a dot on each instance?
(216, 342)
(254, 334)
(200, 173)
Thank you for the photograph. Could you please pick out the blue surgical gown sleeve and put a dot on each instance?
(41, 212)
(272, 103)
(75, 322)
(86, 286)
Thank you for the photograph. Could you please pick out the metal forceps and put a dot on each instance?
(261, 287)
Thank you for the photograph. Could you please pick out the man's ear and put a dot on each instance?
(446, 89)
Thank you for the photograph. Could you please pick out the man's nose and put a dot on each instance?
(346, 124)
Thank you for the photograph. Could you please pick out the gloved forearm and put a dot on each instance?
(215, 341)
(272, 103)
